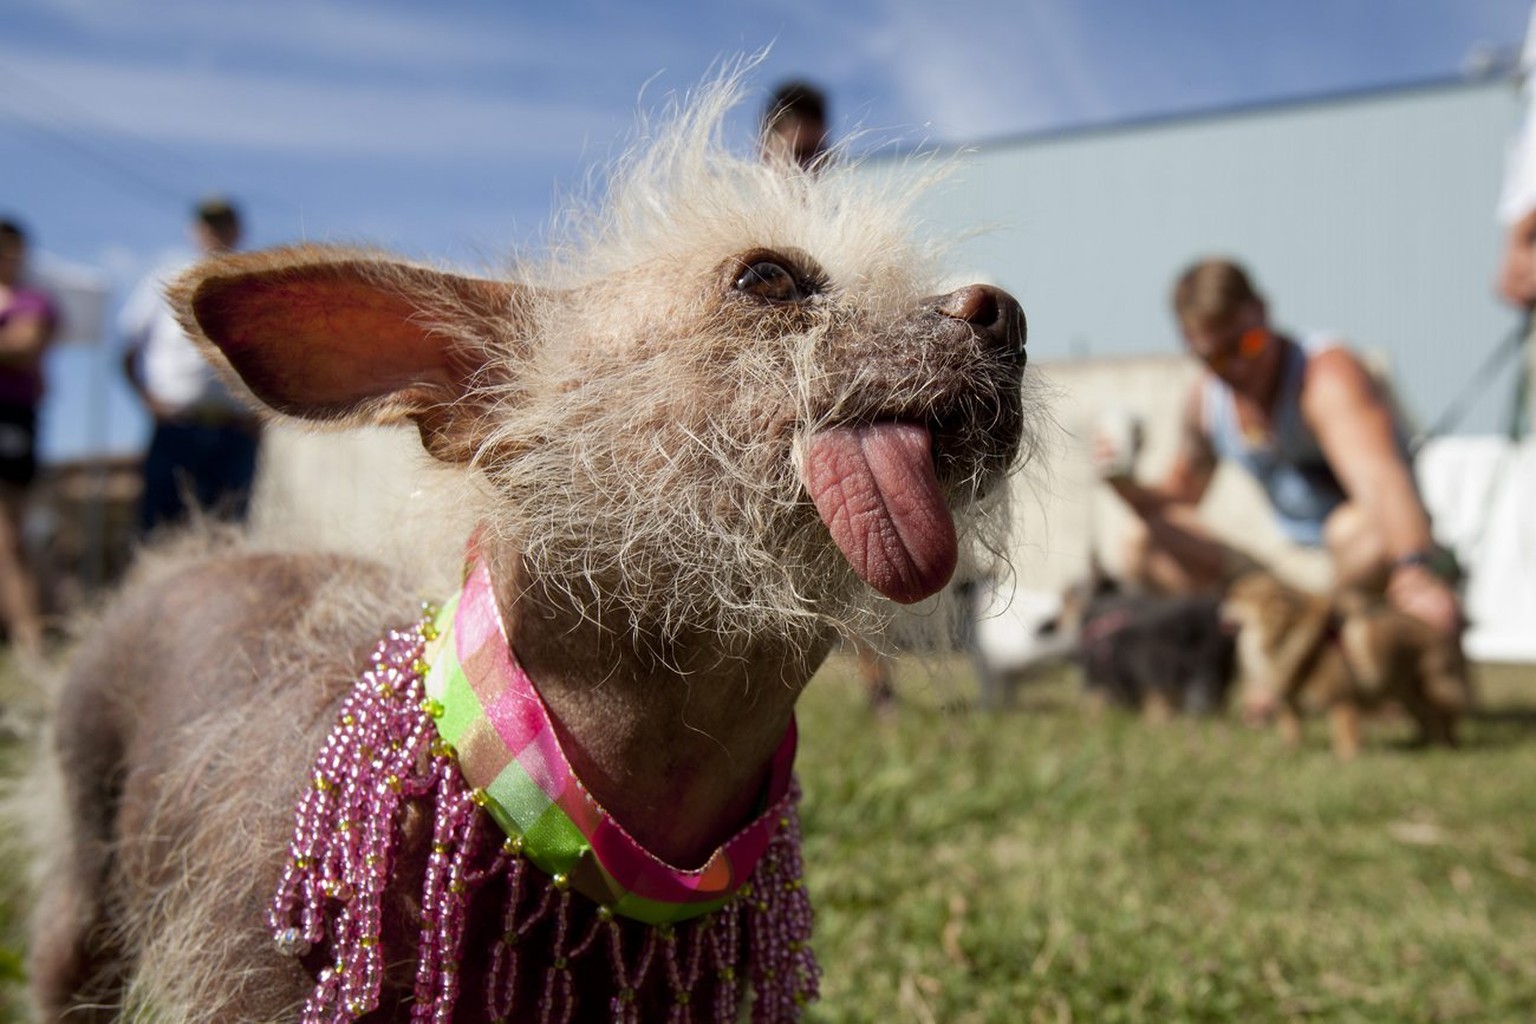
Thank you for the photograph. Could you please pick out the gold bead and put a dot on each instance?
(479, 797)
(432, 707)
(394, 783)
(561, 881)
(420, 667)
(512, 845)
(429, 631)
(348, 719)
(368, 941)
(604, 913)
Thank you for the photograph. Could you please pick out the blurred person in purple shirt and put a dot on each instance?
(28, 319)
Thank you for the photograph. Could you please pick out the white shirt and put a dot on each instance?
(1518, 197)
(172, 368)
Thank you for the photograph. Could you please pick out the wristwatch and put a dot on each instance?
(1437, 560)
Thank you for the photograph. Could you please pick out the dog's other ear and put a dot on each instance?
(342, 336)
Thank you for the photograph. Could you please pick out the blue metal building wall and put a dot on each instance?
(1370, 214)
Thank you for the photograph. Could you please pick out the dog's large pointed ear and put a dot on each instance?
(342, 336)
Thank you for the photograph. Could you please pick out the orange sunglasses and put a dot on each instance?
(1249, 344)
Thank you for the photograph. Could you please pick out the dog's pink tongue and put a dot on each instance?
(876, 490)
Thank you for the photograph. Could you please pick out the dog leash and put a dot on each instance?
(1494, 364)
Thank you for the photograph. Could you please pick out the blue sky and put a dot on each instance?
(449, 129)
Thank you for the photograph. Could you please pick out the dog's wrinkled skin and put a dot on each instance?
(708, 431)
(1308, 654)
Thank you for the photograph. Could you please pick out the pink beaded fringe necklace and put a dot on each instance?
(590, 924)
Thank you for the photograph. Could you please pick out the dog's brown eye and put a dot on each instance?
(767, 280)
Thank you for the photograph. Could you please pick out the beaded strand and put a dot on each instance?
(383, 755)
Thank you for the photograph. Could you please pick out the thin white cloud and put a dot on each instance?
(994, 67)
(292, 112)
(979, 69)
(959, 72)
(338, 31)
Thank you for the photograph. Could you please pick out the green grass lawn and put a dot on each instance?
(1051, 865)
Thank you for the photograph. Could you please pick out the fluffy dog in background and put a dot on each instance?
(1162, 655)
(722, 418)
(1305, 653)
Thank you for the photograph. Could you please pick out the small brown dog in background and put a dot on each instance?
(1310, 653)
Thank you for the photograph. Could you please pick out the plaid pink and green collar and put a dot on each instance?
(488, 710)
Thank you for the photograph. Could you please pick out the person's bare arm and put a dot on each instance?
(1517, 271)
(24, 337)
(1194, 464)
(134, 374)
(1355, 428)
(1180, 554)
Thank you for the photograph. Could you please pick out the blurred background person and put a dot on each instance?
(28, 319)
(202, 453)
(1309, 423)
(795, 125)
(1516, 282)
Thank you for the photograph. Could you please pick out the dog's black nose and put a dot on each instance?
(993, 314)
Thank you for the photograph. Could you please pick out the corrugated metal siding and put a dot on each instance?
(1370, 215)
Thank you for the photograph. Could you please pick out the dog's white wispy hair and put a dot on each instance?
(681, 189)
(629, 455)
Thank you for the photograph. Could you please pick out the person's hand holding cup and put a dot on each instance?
(1116, 443)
